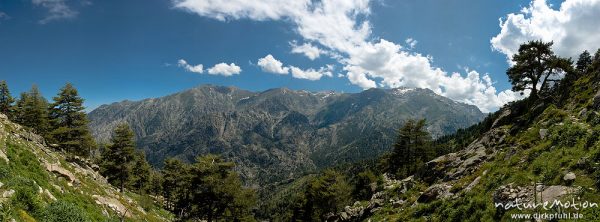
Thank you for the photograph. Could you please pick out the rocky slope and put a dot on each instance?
(279, 133)
(535, 152)
(34, 179)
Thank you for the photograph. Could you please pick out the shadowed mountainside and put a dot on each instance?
(279, 133)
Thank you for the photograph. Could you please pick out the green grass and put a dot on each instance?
(570, 145)
(25, 174)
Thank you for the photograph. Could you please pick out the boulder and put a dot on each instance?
(3, 156)
(473, 184)
(583, 113)
(434, 192)
(543, 133)
(49, 195)
(113, 204)
(61, 172)
(511, 193)
(7, 194)
(569, 177)
(553, 193)
(596, 103)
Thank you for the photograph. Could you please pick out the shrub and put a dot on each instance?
(61, 211)
(568, 135)
(25, 197)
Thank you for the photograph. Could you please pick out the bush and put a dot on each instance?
(568, 135)
(61, 211)
(25, 197)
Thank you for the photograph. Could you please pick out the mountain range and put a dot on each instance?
(278, 134)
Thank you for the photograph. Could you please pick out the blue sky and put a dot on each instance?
(113, 50)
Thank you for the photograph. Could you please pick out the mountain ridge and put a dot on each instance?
(277, 133)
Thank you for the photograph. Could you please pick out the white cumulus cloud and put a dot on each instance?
(311, 74)
(573, 27)
(190, 68)
(309, 50)
(272, 65)
(225, 69)
(342, 29)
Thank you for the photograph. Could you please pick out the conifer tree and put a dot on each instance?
(217, 192)
(118, 159)
(329, 192)
(585, 59)
(6, 100)
(536, 68)
(206, 190)
(32, 112)
(141, 173)
(175, 185)
(156, 183)
(18, 109)
(412, 148)
(70, 123)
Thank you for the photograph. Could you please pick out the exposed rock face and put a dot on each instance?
(474, 182)
(455, 165)
(552, 193)
(114, 204)
(511, 193)
(437, 191)
(60, 171)
(279, 133)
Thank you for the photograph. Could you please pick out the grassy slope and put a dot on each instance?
(26, 175)
(570, 146)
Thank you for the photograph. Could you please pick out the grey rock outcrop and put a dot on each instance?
(435, 192)
(596, 102)
(455, 165)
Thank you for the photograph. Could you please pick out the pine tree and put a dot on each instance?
(217, 192)
(537, 68)
(19, 108)
(176, 185)
(206, 190)
(156, 183)
(329, 192)
(32, 112)
(141, 173)
(120, 155)
(70, 123)
(363, 189)
(585, 59)
(6, 100)
(412, 148)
